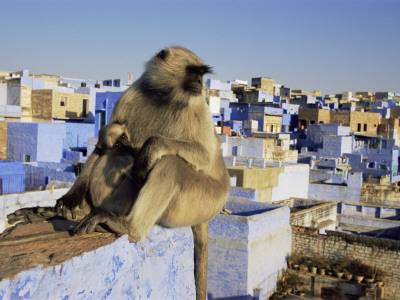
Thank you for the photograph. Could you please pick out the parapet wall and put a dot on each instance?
(159, 268)
(12, 202)
(384, 254)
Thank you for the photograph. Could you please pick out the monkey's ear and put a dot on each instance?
(162, 54)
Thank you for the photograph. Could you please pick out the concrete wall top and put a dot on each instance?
(249, 219)
(159, 268)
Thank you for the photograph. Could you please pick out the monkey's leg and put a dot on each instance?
(154, 198)
(200, 237)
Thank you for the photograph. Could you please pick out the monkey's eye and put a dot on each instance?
(200, 70)
(117, 144)
(123, 136)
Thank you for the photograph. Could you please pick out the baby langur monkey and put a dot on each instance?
(111, 174)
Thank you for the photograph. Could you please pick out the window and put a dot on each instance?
(371, 165)
(359, 127)
(102, 119)
(365, 127)
(27, 158)
(63, 101)
(84, 107)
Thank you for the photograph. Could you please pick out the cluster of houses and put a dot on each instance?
(289, 147)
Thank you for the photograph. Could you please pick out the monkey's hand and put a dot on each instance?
(152, 150)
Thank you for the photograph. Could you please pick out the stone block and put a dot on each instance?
(10, 200)
(247, 249)
(242, 192)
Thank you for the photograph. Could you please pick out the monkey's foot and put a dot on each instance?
(133, 236)
(89, 223)
(101, 221)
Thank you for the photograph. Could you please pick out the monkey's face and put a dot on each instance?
(123, 144)
(174, 74)
(113, 137)
(193, 81)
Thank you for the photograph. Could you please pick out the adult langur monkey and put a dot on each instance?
(177, 155)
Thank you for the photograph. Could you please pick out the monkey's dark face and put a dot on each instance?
(123, 144)
(174, 75)
(193, 82)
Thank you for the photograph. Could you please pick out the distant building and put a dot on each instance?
(358, 121)
(49, 105)
(273, 183)
(309, 116)
(271, 147)
(45, 142)
(320, 215)
(263, 84)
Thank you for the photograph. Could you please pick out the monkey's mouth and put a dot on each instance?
(194, 87)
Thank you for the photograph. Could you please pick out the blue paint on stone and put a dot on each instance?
(247, 249)
(161, 266)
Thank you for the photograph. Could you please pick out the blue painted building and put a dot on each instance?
(376, 157)
(45, 142)
(239, 111)
(366, 153)
(105, 103)
(12, 177)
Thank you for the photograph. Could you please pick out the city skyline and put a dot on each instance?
(332, 46)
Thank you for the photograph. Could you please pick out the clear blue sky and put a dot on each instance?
(332, 46)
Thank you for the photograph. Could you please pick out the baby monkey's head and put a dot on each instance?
(114, 137)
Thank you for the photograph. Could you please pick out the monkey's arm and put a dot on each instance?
(76, 196)
(156, 147)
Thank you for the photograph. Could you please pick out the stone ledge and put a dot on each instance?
(42, 262)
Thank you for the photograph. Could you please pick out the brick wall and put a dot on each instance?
(380, 194)
(385, 254)
(42, 105)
